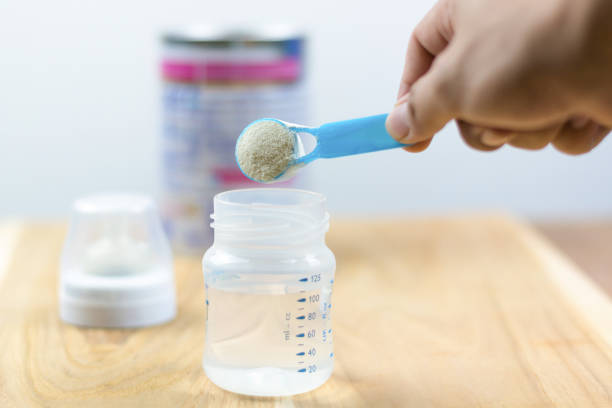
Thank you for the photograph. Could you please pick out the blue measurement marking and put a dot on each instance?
(329, 306)
(301, 317)
(331, 281)
(300, 354)
(299, 335)
(301, 300)
(304, 280)
(207, 302)
(301, 370)
(331, 354)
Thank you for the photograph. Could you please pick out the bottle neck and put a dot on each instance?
(269, 219)
(299, 241)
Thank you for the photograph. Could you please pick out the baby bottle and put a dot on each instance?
(116, 267)
(268, 279)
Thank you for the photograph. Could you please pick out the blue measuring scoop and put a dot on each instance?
(336, 139)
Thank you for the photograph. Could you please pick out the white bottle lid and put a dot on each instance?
(116, 268)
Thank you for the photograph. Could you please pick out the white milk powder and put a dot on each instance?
(265, 150)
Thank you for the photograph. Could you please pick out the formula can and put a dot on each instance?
(215, 82)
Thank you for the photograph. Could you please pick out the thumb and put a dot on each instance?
(427, 107)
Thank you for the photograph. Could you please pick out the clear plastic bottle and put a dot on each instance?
(268, 280)
(116, 268)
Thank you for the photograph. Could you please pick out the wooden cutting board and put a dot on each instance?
(445, 312)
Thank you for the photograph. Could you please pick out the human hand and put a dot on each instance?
(522, 72)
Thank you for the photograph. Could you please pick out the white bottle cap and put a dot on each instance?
(116, 268)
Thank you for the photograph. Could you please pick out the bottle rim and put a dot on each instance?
(222, 198)
(269, 217)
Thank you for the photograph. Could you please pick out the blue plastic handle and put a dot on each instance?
(348, 137)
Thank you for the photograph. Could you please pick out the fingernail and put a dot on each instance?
(397, 123)
(493, 139)
(402, 99)
(579, 122)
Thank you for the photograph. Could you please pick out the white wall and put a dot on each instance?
(79, 104)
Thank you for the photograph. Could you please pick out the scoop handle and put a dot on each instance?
(354, 136)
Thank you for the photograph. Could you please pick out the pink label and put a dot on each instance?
(287, 69)
(230, 176)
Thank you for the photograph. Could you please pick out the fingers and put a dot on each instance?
(579, 138)
(418, 116)
(427, 107)
(429, 38)
(495, 137)
(473, 136)
(529, 140)
(418, 60)
(418, 147)
(536, 139)
(492, 139)
(576, 136)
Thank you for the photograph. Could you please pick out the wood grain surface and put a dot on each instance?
(587, 243)
(445, 312)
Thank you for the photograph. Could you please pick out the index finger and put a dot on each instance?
(429, 38)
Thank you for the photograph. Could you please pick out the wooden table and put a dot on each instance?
(588, 244)
(441, 312)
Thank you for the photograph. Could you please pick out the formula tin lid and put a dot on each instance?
(209, 34)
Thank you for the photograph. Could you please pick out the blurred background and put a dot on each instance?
(81, 102)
